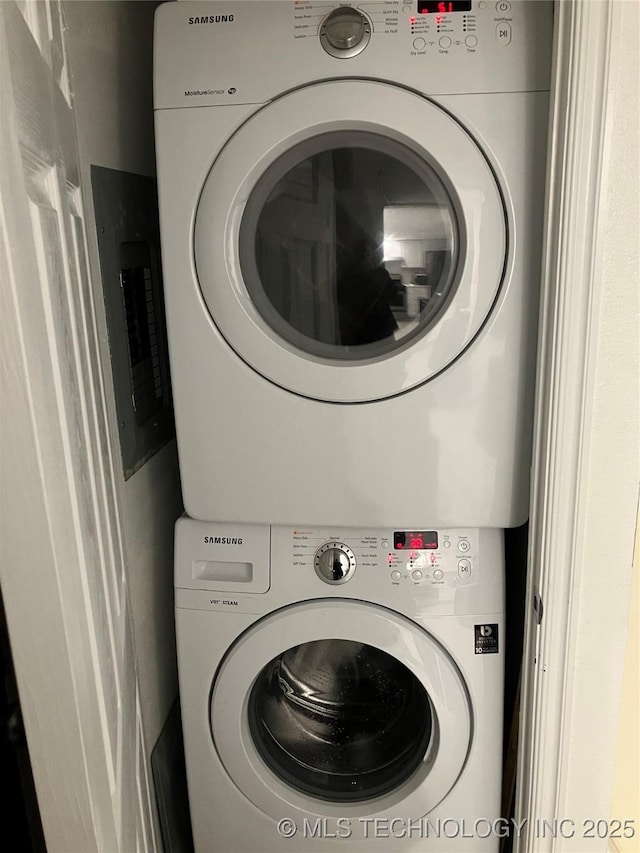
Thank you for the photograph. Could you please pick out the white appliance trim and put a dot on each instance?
(572, 689)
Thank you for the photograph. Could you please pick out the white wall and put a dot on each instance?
(110, 56)
(611, 454)
(626, 793)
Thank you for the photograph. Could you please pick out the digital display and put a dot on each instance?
(415, 540)
(443, 7)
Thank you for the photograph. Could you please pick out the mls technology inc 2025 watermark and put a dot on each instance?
(365, 827)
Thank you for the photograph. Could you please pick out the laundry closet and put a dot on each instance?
(304, 447)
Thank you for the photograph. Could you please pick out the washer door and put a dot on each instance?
(350, 241)
(335, 707)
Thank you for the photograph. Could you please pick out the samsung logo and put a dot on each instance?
(211, 19)
(223, 540)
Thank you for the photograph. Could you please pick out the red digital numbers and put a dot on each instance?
(415, 541)
(443, 9)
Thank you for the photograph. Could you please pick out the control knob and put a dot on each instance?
(334, 562)
(345, 32)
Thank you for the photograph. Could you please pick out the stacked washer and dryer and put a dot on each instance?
(351, 206)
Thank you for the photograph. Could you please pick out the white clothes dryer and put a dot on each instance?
(350, 204)
(341, 683)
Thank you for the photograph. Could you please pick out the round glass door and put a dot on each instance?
(350, 241)
(334, 707)
(349, 245)
(340, 720)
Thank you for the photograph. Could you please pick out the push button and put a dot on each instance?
(503, 34)
(464, 545)
(438, 574)
(502, 7)
(464, 569)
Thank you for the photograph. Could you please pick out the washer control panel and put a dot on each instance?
(255, 569)
(425, 558)
(443, 558)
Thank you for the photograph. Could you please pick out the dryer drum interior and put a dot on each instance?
(330, 231)
(340, 720)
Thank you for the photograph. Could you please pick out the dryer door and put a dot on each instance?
(338, 708)
(350, 241)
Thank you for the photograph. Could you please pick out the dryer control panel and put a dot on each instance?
(223, 52)
(426, 27)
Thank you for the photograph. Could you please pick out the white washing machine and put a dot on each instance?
(341, 684)
(350, 204)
